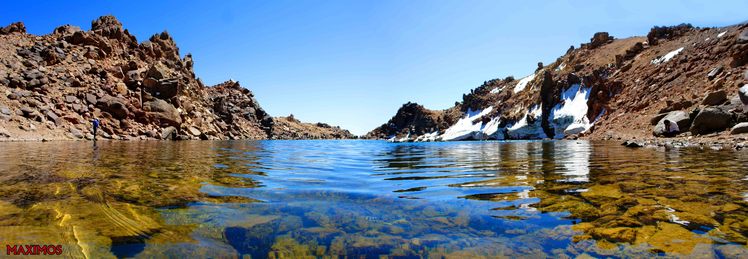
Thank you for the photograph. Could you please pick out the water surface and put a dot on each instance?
(372, 198)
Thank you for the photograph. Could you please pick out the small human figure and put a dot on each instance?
(671, 128)
(95, 123)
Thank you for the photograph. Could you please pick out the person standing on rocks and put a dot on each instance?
(95, 123)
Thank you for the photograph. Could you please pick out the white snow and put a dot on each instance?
(667, 57)
(570, 116)
(707, 39)
(428, 137)
(523, 83)
(524, 130)
(404, 139)
(466, 129)
(721, 34)
(495, 90)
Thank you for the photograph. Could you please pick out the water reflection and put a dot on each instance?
(370, 198)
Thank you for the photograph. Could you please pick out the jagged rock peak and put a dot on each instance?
(106, 22)
(13, 27)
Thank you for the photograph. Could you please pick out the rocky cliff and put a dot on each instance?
(606, 88)
(52, 85)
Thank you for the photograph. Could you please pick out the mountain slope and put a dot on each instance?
(605, 88)
(52, 85)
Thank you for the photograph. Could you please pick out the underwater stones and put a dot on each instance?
(673, 238)
(599, 194)
(618, 234)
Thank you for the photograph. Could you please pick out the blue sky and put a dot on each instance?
(354, 63)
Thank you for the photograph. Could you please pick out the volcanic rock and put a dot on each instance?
(710, 119)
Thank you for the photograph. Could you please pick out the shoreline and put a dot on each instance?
(712, 141)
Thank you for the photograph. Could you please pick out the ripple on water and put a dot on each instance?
(318, 198)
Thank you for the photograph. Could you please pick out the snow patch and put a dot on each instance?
(528, 130)
(466, 129)
(523, 83)
(428, 137)
(721, 34)
(667, 57)
(495, 90)
(570, 116)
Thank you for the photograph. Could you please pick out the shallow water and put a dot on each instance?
(289, 199)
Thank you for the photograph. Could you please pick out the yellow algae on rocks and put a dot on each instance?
(618, 234)
(599, 194)
(672, 238)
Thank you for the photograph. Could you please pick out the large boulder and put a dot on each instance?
(158, 71)
(163, 111)
(679, 117)
(169, 133)
(740, 128)
(710, 119)
(115, 106)
(715, 98)
(599, 39)
(166, 88)
(743, 94)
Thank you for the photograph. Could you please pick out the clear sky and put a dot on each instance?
(354, 63)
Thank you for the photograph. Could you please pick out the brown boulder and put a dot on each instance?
(710, 119)
(163, 111)
(158, 71)
(599, 39)
(715, 98)
(115, 106)
(166, 88)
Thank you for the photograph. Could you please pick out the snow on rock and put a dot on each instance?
(721, 34)
(667, 56)
(469, 127)
(570, 116)
(528, 130)
(495, 90)
(428, 137)
(523, 83)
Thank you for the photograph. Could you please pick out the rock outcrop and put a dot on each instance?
(607, 88)
(52, 86)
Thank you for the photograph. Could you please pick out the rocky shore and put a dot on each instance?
(607, 89)
(52, 86)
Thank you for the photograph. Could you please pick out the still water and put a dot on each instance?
(373, 199)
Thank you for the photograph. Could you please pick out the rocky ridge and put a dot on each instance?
(606, 89)
(52, 85)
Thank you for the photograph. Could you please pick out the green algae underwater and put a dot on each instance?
(373, 199)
